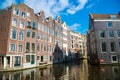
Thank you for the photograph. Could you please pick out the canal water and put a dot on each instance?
(74, 70)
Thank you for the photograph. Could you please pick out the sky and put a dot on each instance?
(74, 12)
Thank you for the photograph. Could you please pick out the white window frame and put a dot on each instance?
(11, 34)
(113, 34)
(22, 27)
(10, 47)
(13, 23)
(112, 59)
(15, 13)
(109, 26)
(18, 48)
(19, 35)
(22, 15)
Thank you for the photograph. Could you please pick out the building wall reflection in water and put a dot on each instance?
(76, 70)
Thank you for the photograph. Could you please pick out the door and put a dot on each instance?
(32, 59)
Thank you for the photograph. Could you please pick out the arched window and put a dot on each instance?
(28, 33)
(21, 35)
(13, 33)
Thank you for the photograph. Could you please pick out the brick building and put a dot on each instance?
(28, 39)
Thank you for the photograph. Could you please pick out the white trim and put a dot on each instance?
(10, 47)
(11, 33)
(18, 48)
(23, 25)
(14, 55)
(106, 19)
(19, 36)
(14, 11)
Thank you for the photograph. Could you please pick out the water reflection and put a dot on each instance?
(66, 71)
(106, 72)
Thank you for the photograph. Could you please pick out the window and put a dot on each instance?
(34, 25)
(13, 33)
(109, 24)
(103, 47)
(38, 57)
(16, 11)
(42, 36)
(21, 24)
(113, 16)
(17, 61)
(45, 48)
(42, 19)
(111, 33)
(33, 34)
(38, 47)
(51, 24)
(118, 33)
(39, 26)
(33, 47)
(102, 34)
(42, 58)
(12, 47)
(38, 35)
(28, 33)
(72, 46)
(20, 48)
(21, 35)
(114, 58)
(50, 58)
(28, 23)
(23, 14)
(28, 14)
(27, 58)
(112, 45)
(14, 22)
(42, 47)
(27, 46)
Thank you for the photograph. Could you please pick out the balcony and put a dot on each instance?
(29, 26)
(34, 28)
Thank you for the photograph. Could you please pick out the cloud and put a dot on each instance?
(51, 7)
(89, 6)
(80, 6)
(75, 26)
(7, 3)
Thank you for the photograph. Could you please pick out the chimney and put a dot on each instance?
(119, 13)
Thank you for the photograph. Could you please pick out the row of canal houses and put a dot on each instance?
(28, 39)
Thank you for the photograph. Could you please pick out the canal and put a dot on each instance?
(74, 70)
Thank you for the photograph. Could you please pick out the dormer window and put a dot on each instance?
(113, 16)
(16, 12)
